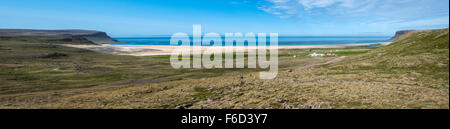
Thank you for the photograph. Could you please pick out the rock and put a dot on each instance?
(442, 64)
(416, 73)
(179, 107)
(240, 77)
(188, 105)
(238, 94)
(281, 100)
(204, 107)
(286, 106)
(184, 106)
(215, 98)
(290, 70)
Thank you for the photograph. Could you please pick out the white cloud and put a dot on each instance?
(372, 15)
(279, 1)
(438, 21)
(281, 8)
(292, 7)
(310, 4)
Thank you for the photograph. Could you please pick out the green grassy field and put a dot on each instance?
(411, 73)
(31, 67)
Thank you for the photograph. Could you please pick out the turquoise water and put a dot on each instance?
(282, 40)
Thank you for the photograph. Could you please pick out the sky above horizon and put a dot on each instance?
(128, 18)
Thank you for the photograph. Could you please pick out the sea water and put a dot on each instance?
(282, 40)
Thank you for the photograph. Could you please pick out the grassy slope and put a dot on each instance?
(24, 68)
(48, 39)
(425, 52)
(410, 73)
(423, 57)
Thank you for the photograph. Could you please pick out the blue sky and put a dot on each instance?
(123, 18)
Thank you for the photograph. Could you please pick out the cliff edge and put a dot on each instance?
(401, 34)
(77, 36)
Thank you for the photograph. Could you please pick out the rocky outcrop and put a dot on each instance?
(401, 34)
(82, 36)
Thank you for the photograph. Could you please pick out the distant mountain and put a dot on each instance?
(401, 34)
(78, 36)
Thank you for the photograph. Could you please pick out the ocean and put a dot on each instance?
(282, 40)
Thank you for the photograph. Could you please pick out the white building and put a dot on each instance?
(315, 54)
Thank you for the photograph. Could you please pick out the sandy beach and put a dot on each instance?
(154, 50)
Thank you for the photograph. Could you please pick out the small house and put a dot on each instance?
(315, 54)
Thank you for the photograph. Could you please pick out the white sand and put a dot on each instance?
(152, 50)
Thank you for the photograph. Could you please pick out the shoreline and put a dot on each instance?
(158, 50)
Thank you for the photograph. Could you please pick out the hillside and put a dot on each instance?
(421, 52)
(411, 73)
(56, 36)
